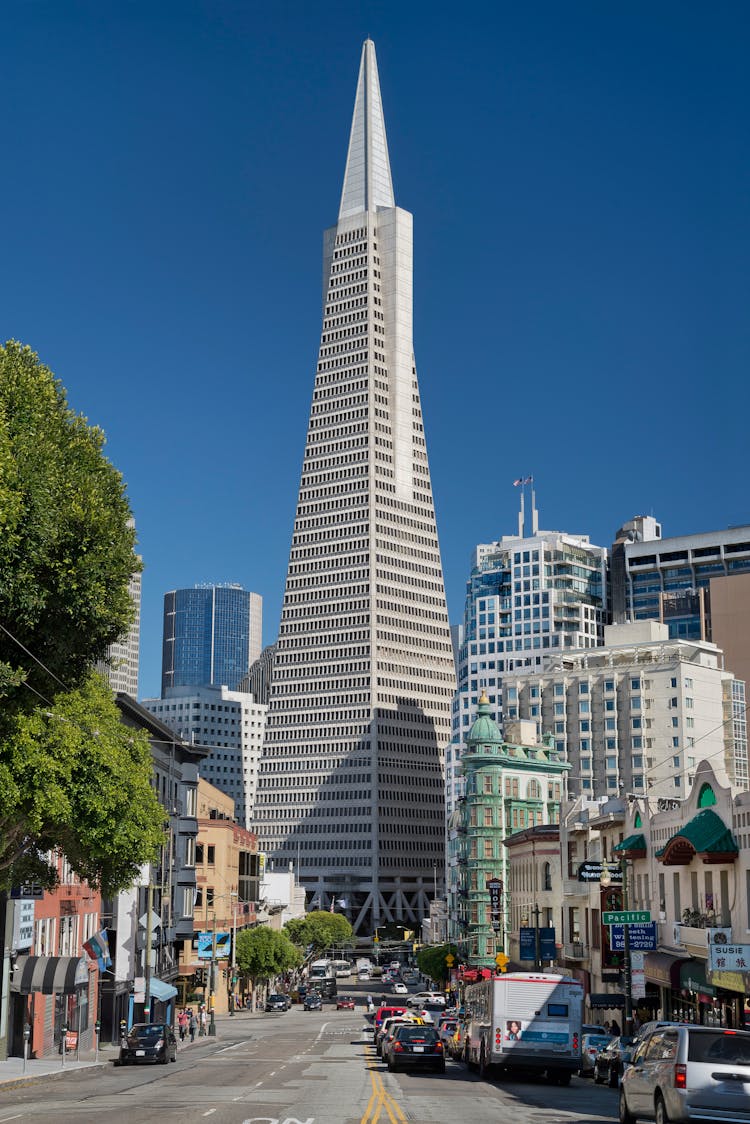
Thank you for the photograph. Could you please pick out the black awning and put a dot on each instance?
(607, 1000)
(52, 975)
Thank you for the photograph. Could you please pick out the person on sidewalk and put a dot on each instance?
(183, 1023)
(204, 1021)
(193, 1026)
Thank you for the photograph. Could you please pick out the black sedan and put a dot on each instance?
(313, 1002)
(149, 1042)
(610, 1062)
(277, 1002)
(416, 1047)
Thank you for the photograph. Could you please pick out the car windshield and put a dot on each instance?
(598, 1040)
(416, 1033)
(722, 1046)
(147, 1030)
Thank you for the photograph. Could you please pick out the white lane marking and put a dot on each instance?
(234, 1047)
(273, 1073)
(16, 1117)
(210, 1112)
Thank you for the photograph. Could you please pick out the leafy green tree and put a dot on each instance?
(77, 779)
(72, 776)
(263, 953)
(66, 545)
(319, 929)
(431, 961)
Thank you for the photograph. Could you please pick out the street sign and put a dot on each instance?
(729, 957)
(150, 922)
(502, 961)
(626, 917)
(495, 887)
(449, 960)
(209, 949)
(641, 937)
(592, 872)
(527, 943)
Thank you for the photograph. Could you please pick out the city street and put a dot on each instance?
(310, 1067)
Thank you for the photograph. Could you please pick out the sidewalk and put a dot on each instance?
(12, 1069)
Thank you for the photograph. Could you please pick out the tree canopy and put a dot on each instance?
(319, 930)
(72, 776)
(263, 953)
(431, 961)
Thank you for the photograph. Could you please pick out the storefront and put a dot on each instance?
(662, 974)
(65, 980)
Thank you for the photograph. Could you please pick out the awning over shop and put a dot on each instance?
(607, 1000)
(52, 975)
(663, 969)
(693, 977)
(706, 835)
(633, 845)
(162, 991)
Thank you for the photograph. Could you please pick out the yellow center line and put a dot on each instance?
(381, 1099)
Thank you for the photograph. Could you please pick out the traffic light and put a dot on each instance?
(199, 977)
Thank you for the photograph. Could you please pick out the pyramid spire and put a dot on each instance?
(367, 179)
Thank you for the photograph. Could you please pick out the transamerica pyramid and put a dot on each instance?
(351, 780)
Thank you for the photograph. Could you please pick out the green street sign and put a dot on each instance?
(627, 917)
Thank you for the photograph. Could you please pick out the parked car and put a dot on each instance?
(591, 1044)
(609, 1063)
(416, 1047)
(277, 1002)
(149, 1042)
(400, 989)
(313, 1002)
(687, 1072)
(345, 1003)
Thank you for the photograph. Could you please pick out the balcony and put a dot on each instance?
(574, 950)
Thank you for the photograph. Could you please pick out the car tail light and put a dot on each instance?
(439, 1047)
(575, 1039)
(398, 1048)
(680, 1076)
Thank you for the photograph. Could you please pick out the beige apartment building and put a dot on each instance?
(227, 878)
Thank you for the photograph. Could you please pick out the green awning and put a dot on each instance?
(706, 834)
(632, 843)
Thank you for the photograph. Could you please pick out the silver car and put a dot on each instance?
(688, 1072)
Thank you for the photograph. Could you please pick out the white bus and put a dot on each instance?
(342, 969)
(527, 1021)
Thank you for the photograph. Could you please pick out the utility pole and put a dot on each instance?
(147, 973)
(627, 967)
(537, 940)
(233, 968)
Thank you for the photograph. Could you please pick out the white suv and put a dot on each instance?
(423, 997)
(688, 1072)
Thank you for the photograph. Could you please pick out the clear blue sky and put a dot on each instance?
(578, 173)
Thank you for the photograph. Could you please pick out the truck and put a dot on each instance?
(320, 970)
(525, 1021)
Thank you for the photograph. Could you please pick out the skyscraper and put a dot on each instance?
(212, 634)
(351, 780)
(120, 664)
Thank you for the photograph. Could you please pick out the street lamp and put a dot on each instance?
(606, 880)
(235, 895)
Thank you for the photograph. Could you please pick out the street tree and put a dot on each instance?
(319, 930)
(263, 953)
(432, 961)
(72, 776)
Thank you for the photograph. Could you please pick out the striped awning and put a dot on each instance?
(52, 975)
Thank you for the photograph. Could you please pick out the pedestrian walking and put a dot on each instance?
(183, 1023)
(193, 1026)
(204, 1021)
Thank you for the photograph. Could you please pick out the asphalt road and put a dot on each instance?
(307, 1067)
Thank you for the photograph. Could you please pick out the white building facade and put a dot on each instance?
(231, 724)
(352, 779)
(527, 599)
(637, 714)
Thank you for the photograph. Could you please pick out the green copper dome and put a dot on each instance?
(485, 730)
